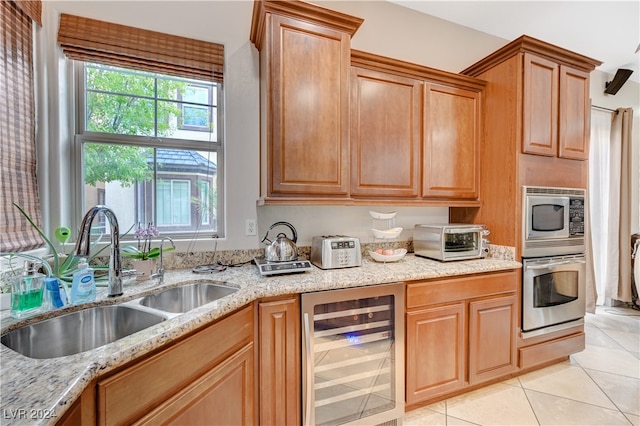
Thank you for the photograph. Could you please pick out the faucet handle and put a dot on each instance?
(131, 272)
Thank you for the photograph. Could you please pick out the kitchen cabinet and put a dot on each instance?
(279, 334)
(385, 134)
(535, 130)
(460, 332)
(492, 344)
(206, 378)
(555, 109)
(451, 164)
(435, 349)
(222, 396)
(415, 133)
(304, 73)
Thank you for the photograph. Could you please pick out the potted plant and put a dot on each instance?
(144, 256)
(61, 266)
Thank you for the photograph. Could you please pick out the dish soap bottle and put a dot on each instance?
(26, 292)
(83, 286)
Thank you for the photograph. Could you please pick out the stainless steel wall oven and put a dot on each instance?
(353, 356)
(553, 293)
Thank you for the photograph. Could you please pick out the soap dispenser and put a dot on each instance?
(26, 292)
(83, 286)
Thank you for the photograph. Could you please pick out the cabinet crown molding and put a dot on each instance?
(529, 44)
(299, 10)
(408, 69)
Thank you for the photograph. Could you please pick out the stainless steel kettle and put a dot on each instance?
(282, 249)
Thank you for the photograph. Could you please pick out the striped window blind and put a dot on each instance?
(18, 183)
(90, 40)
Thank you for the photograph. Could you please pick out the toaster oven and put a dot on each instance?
(451, 241)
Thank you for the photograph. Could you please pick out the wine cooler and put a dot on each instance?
(353, 356)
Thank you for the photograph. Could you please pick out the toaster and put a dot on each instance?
(335, 251)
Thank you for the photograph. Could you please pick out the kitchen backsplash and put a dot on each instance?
(237, 257)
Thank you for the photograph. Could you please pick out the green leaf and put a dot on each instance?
(49, 243)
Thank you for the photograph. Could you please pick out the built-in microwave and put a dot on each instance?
(553, 221)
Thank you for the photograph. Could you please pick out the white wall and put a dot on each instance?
(388, 30)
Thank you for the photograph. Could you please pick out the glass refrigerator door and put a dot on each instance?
(352, 357)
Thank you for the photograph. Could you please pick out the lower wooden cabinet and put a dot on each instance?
(459, 332)
(492, 338)
(207, 378)
(279, 334)
(435, 352)
(222, 396)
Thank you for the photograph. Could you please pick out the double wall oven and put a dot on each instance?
(554, 262)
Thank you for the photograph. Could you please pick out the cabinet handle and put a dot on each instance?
(308, 371)
(552, 264)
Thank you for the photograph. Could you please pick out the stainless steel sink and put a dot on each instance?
(78, 331)
(188, 297)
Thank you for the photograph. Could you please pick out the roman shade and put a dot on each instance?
(18, 183)
(33, 9)
(106, 43)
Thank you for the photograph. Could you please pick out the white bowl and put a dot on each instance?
(397, 255)
(377, 215)
(387, 233)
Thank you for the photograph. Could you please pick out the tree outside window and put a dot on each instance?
(150, 144)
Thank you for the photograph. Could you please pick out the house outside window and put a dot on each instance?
(150, 143)
(195, 115)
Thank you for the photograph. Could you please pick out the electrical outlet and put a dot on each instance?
(250, 227)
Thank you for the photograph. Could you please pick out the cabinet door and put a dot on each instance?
(385, 134)
(452, 143)
(540, 106)
(279, 362)
(574, 113)
(435, 352)
(223, 396)
(492, 338)
(309, 104)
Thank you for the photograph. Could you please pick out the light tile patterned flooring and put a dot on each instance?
(598, 386)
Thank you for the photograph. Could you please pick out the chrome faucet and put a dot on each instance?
(83, 246)
(160, 273)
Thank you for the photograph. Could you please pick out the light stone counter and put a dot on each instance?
(36, 391)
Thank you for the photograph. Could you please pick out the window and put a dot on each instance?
(195, 114)
(174, 203)
(148, 124)
(139, 155)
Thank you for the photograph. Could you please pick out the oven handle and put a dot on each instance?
(552, 264)
(309, 370)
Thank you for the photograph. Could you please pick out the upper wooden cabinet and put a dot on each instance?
(340, 126)
(305, 62)
(535, 126)
(555, 109)
(385, 134)
(415, 132)
(451, 159)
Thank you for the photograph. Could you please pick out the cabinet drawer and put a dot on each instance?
(552, 350)
(131, 393)
(423, 293)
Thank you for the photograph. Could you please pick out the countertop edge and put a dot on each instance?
(41, 391)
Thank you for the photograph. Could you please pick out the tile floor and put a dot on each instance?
(598, 386)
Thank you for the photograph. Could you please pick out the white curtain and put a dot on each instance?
(609, 207)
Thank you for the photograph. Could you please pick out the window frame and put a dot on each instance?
(82, 136)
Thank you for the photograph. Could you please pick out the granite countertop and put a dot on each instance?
(39, 391)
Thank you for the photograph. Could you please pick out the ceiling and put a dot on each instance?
(608, 31)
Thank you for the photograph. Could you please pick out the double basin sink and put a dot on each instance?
(97, 326)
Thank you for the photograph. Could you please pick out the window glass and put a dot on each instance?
(149, 148)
